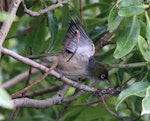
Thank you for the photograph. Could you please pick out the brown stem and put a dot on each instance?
(42, 11)
(7, 24)
(40, 92)
(109, 110)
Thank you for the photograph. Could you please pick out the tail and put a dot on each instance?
(47, 58)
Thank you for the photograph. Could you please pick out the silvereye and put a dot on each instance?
(77, 61)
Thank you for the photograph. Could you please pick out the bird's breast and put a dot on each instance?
(73, 67)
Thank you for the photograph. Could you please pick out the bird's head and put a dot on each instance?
(99, 72)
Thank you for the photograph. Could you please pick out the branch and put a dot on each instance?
(41, 92)
(18, 79)
(109, 110)
(115, 114)
(90, 103)
(42, 11)
(74, 97)
(131, 65)
(104, 41)
(7, 24)
(17, 109)
(56, 99)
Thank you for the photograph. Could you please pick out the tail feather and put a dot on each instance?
(47, 58)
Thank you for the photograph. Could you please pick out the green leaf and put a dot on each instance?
(66, 15)
(35, 38)
(114, 19)
(53, 25)
(129, 8)
(144, 48)
(127, 38)
(146, 103)
(93, 23)
(136, 89)
(94, 5)
(87, 113)
(58, 43)
(5, 100)
(96, 33)
(53, 28)
(147, 27)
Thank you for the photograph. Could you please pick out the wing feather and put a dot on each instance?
(85, 44)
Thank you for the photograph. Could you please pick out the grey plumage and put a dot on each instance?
(85, 45)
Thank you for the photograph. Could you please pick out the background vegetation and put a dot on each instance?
(120, 30)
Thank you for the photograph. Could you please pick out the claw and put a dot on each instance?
(60, 73)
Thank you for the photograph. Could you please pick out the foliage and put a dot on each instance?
(130, 22)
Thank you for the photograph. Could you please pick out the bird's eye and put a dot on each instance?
(102, 76)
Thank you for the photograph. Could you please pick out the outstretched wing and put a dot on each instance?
(77, 40)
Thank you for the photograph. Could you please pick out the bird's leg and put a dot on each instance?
(79, 82)
(78, 85)
(60, 73)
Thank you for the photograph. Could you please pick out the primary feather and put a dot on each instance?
(85, 45)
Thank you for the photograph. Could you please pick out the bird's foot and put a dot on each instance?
(61, 74)
(78, 82)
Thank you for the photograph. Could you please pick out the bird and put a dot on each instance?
(76, 61)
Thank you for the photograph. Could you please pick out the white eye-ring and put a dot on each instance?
(102, 76)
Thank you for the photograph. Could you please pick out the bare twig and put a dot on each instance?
(130, 65)
(42, 11)
(56, 99)
(77, 95)
(41, 92)
(109, 110)
(29, 76)
(133, 76)
(62, 113)
(17, 79)
(4, 5)
(7, 24)
(65, 109)
(103, 40)
(14, 114)
(16, 111)
(90, 103)
(115, 115)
